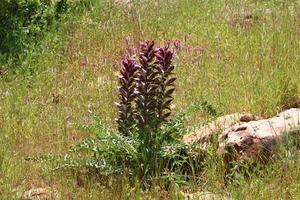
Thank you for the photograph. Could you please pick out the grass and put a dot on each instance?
(250, 63)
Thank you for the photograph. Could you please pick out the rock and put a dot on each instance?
(205, 133)
(124, 3)
(259, 139)
(38, 194)
(204, 196)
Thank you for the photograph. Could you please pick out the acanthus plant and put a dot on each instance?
(149, 146)
(146, 89)
(145, 92)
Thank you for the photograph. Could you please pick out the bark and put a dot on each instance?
(245, 136)
(260, 139)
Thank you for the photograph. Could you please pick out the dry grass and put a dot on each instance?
(249, 64)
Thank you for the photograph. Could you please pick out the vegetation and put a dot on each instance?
(238, 56)
(22, 22)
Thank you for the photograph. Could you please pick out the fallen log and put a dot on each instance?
(260, 139)
(247, 136)
(205, 133)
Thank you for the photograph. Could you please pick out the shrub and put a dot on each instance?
(25, 21)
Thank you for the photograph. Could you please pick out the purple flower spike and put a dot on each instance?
(126, 94)
(165, 68)
(146, 85)
(146, 90)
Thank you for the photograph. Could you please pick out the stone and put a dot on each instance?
(204, 196)
(38, 194)
(124, 3)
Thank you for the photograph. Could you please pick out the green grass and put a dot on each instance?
(250, 64)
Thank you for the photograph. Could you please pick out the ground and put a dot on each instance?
(238, 56)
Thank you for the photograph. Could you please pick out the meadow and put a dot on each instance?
(240, 56)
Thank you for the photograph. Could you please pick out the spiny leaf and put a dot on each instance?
(170, 81)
